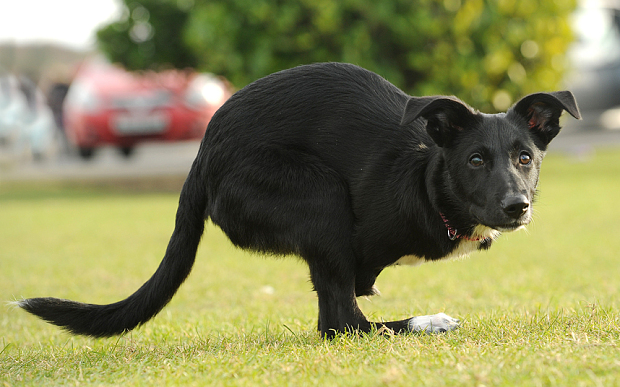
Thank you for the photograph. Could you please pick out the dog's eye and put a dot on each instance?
(525, 158)
(476, 160)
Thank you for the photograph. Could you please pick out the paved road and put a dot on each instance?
(175, 159)
(148, 160)
(575, 140)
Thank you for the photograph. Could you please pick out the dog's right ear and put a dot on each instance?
(444, 116)
(542, 112)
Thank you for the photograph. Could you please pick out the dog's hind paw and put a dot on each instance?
(435, 323)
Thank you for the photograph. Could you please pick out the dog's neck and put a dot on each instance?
(453, 233)
(458, 223)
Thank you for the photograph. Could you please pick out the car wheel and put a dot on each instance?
(126, 151)
(86, 153)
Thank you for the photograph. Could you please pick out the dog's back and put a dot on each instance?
(339, 111)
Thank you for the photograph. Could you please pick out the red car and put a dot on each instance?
(107, 105)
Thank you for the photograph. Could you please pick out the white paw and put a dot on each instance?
(436, 323)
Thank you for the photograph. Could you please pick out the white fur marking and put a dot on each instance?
(462, 250)
(16, 304)
(410, 260)
(435, 323)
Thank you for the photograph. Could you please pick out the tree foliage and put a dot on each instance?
(487, 52)
(148, 34)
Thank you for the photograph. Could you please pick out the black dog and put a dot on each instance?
(333, 163)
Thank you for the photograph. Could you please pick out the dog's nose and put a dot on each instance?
(515, 206)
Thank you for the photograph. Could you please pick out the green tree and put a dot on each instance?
(148, 35)
(487, 52)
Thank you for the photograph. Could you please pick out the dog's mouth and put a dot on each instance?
(506, 226)
(512, 225)
(500, 221)
(510, 228)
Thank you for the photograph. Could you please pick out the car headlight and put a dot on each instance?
(204, 90)
(82, 96)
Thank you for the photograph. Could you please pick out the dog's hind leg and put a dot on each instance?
(284, 203)
(335, 288)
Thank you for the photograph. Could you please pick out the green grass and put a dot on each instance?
(539, 308)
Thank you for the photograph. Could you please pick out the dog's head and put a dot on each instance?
(491, 162)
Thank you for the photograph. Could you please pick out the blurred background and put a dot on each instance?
(125, 88)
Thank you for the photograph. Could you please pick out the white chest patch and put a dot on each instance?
(462, 250)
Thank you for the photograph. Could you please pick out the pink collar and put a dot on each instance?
(453, 233)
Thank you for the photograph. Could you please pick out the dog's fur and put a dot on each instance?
(333, 163)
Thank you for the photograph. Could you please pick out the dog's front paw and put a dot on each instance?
(436, 323)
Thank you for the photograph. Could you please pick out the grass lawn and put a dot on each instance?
(539, 308)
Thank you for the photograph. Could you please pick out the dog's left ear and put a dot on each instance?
(542, 112)
(445, 116)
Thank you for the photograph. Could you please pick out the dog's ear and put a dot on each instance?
(444, 116)
(542, 112)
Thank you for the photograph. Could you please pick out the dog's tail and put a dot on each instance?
(146, 302)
